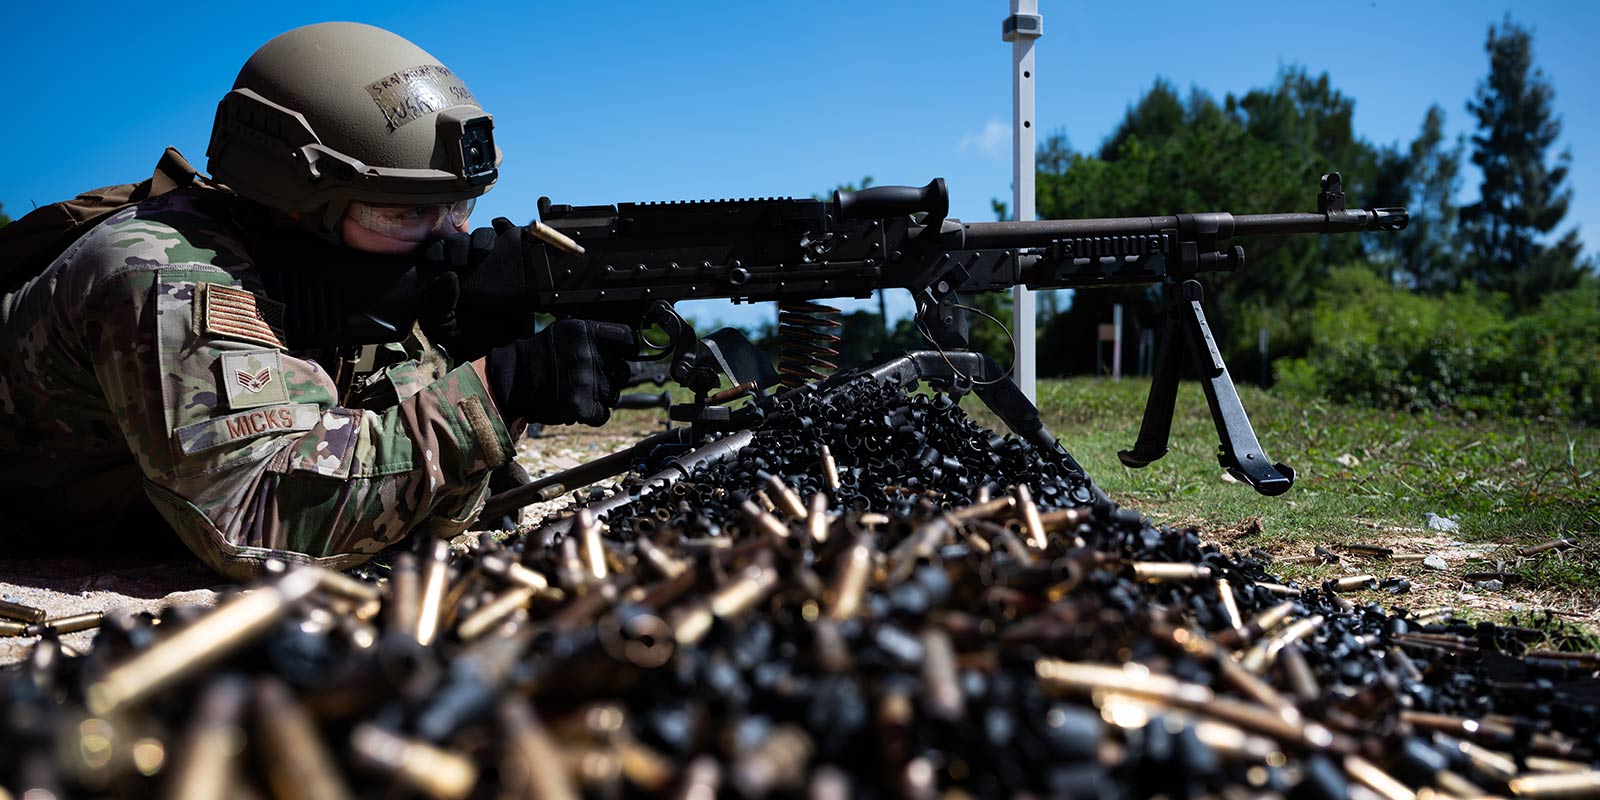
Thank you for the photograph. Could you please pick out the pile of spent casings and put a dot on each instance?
(924, 609)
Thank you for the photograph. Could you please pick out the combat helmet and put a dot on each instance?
(339, 111)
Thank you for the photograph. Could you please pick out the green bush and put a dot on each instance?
(1377, 345)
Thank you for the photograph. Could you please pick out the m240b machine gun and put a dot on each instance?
(631, 262)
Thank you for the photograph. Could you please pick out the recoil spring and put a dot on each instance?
(807, 333)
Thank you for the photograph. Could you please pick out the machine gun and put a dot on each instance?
(630, 262)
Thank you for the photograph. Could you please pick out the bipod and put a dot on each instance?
(1239, 452)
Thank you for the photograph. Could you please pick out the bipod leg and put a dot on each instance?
(1239, 452)
(1155, 432)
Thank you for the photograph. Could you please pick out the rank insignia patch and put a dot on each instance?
(253, 378)
(234, 313)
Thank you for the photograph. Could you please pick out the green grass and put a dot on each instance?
(1507, 482)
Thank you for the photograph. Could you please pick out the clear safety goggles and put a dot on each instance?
(411, 223)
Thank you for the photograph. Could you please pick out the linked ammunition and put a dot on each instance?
(732, 393)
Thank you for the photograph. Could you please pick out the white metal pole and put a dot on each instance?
(1020, 29)
(1116, 342)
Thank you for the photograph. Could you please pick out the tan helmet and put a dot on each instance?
(339, 111)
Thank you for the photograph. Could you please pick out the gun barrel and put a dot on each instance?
(1216, 226)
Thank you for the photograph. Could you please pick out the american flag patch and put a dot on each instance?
(234, 313)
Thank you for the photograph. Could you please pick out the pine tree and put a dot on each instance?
(1523, 197)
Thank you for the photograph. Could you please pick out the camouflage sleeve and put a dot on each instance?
(243, 446)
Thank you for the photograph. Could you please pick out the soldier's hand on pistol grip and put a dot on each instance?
(572, 371)
(487, 265)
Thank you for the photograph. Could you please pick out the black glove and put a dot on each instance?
(572, 371)
(493, 305)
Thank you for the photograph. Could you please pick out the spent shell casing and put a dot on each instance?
(817, 521)
(298, 764)
(1277, 589)
(830, 470)
(494, 612)
(531, 752)
(1265, 653)
(1353, 582)
(515, 573)
(1030, 517)
(8, 628)
(338, 584)
(1157, 571)
(23, 613)
(1297, 673)
(586, 529)
(1553, 544)
(435, 582)
(1495, 766)
(776, 764)
(1557, 785)
(702, 780)
(984, 509)
(1547, 764)
(72, 624)
(207, 763)
(405, 592)
(1369, 775)
(1064, 518)
(1230, 604)
(201, 643)
(427, 769)
(764, 522)
(850, 583)
(754, 584)
(940, 678)
(1456, 786)
(659, 560)
(785, 498)
(1370, 550)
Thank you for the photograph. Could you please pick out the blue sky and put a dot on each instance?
(600, 103)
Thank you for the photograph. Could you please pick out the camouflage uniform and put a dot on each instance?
(145, 358)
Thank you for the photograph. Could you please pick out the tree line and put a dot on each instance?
(1265, 151)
